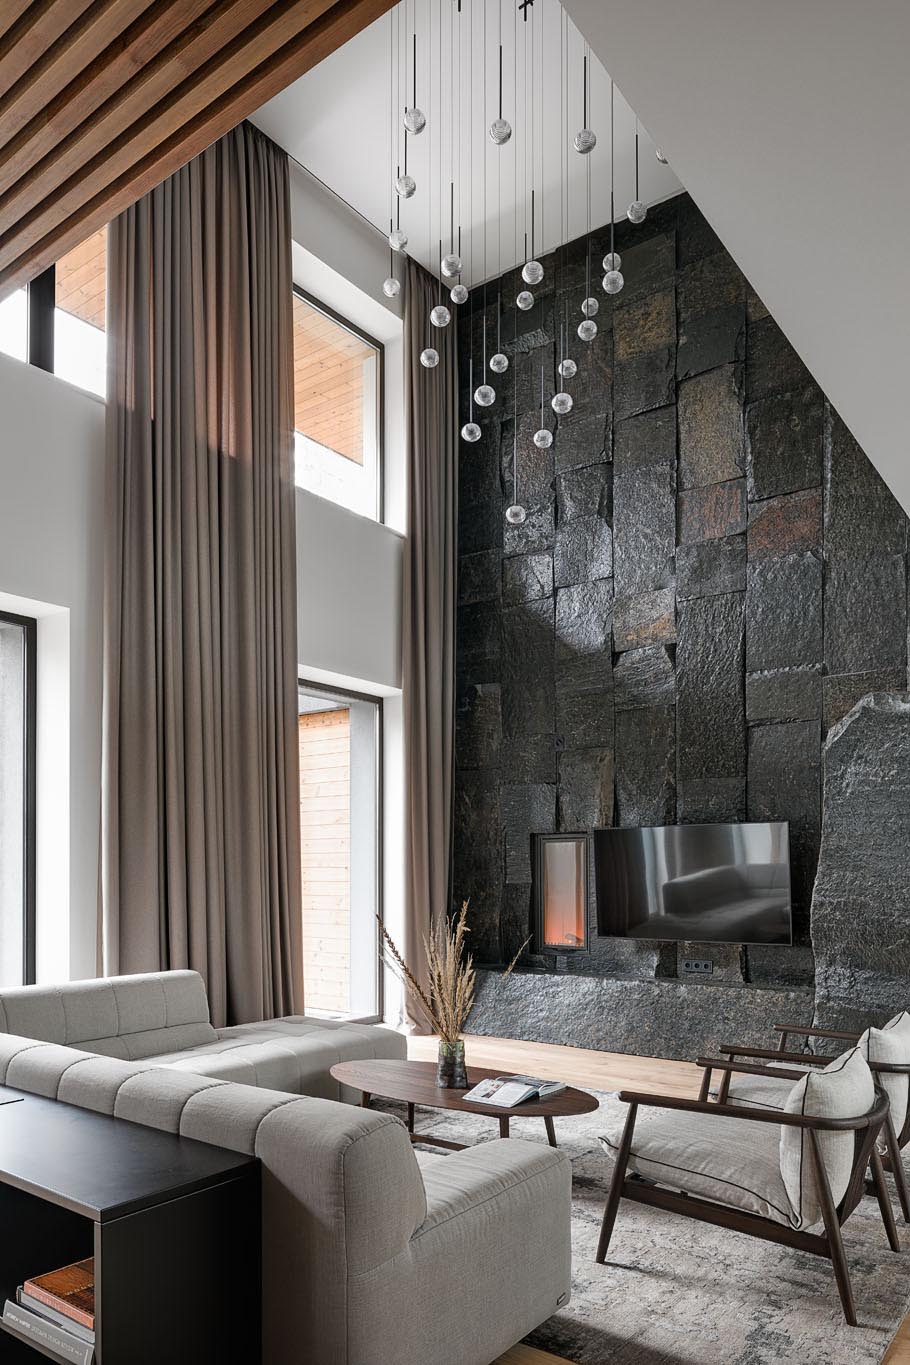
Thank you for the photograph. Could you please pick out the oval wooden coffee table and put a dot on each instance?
(414, 1083)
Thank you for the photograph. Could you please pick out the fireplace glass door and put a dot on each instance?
(562, 861)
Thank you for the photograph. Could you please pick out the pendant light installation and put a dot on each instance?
(612, 280)
(543, 437)
(470, 431)
(516, 514)
(637, 212)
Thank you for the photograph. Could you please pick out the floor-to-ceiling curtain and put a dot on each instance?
(428, 634)
(200, 849)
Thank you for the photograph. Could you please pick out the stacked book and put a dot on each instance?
(58, 1311)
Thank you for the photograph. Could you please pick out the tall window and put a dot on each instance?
(17, 799)
(339, 839)
(337, 409)
(80, 343)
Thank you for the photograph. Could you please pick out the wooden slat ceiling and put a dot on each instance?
(329, 381)
(80, 280)
(101, 100)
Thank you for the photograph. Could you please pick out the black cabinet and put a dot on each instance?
(173, 1225)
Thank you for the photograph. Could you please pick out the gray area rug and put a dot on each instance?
(676, 1291)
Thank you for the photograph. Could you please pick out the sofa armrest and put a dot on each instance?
(494, 1171)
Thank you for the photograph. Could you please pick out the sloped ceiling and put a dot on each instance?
(789, 124)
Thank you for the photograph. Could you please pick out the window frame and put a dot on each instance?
(379, 348)
(30, 762)
(321, 689)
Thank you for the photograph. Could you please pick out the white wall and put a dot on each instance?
(51, 566)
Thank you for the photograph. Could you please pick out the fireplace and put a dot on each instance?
(561, 893)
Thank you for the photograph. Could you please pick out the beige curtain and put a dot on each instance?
(428, 635)
(200, 855)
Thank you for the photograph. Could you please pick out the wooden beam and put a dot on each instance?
(95, 166)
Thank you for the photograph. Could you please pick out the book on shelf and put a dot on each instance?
(511, 1090)
(75, 1329)
(69, 1291)
(29, 1326)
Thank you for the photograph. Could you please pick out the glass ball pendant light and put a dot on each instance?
(613, 282)
(543, 438)
(561, 403)
(585, 141)
(429, 358)
(516, 514)
(660, 156)
(398, 240)
(470, 432)
(451, 265)
(525, 300)
(405, 186)
(590, 307)
(499, 363)
(587, 329)
(637, 212)
(391, 287)
(440, 316)
(484, 395)
(500, 131)
(612, 260)
(458, 293)
(532, 272)
(414, 120)
(567, 368)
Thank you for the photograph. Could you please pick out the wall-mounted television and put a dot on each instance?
(696, 883)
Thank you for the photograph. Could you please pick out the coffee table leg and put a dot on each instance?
(410, 1118)
(503, 1125)
(365, 1099)
(551, 1131)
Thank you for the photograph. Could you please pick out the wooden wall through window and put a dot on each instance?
(325, 844)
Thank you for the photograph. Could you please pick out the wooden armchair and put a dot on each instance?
(733, 1172)
(891, 1076)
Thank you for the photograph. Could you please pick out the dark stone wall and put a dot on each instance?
(710, 575)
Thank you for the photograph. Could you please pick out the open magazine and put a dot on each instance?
(511, 1090)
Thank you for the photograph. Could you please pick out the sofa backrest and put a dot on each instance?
(118, 1016)
(342, 1193)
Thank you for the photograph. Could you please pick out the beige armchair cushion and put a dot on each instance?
(844, 1089)
(891, 1044)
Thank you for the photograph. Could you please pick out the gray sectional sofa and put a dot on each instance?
(371, 1255)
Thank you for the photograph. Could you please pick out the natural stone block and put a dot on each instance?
(526, 577)
(778, 967)
(516, 919)
(755, 309)
(866, 614)
(478, 726)
(529, 757)
(785, 525)
(784, 694)
(535, 467)
(784, 443)
(644, 678)
(582, 438)
(644, 325)
(478, 857)
(711, 439)
(695, 237)
(648, 266)
(772, 365)
(861, 901)
(649, 438)
(710, 704)
(646, 766)
(584, 720)
(727, 960)
(528, 808)
(585, 788)
(584, 551)
(478, 468)
(712, 512)
(480, 526)
(711, 567)
(862, 516)
(479, 578)
(785, 784)
(646, 619)
(584, 615)
(715, 338)
(527, 668)
(584, 492)
(842, 692)
(708, 284)
(644, 529)
(705, 800)
(645, 381)
(478, 642)
(783, 612)
(538, 532)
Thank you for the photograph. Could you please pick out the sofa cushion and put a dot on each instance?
(890, 1044)
(726, 1160)
(843, 1089)
(294, 1054)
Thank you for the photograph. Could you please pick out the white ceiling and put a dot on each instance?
(338, 121)
(788, 123)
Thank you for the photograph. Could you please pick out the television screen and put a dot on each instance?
(700, 883)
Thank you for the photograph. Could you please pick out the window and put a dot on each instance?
(337, 409)
(80, 344)
(339, 847)
(17, 799)
(14, 325)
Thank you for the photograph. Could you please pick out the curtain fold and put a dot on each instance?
(428, 617)
(201, 834)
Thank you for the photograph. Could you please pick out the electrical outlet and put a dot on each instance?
(698, 966)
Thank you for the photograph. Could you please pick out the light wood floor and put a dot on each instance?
(596, 1071)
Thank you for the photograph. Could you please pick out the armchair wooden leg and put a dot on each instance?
(884, 1202)
(897, 1167)
(619, 1175)
(832, 1229)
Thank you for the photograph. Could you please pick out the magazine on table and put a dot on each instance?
(511, 1090)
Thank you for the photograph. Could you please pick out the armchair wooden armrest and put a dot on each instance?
(774, 1054)
(635, 1098)
(785, 1030)
(727, 1066)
